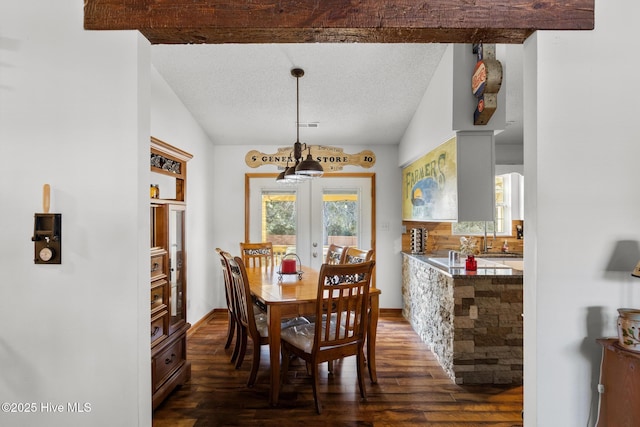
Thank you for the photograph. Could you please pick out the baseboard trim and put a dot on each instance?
(390, 312)
(205, 319)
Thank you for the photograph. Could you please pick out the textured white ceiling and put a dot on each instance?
(360, 94)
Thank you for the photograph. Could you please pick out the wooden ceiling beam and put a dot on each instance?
(363, 21)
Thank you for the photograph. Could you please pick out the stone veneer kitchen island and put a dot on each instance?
(472, 320)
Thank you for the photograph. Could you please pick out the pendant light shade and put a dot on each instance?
(291, 175)
(303, 169)
(309, 167)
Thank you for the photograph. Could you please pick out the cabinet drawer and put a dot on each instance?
(159, 326)
(157, 266)
(165, 363)
(159, 295)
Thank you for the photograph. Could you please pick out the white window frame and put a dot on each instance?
(510, 201)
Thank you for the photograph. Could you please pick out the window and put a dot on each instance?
(507, 193)
(278, 224)
(341, 219)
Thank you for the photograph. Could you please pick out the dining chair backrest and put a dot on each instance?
(353, 255)
(335, 254)
(234, 328)
(242, 291)
(257, 254)
(226, 274)
(341, 307)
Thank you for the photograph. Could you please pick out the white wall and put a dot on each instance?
(74, 114)
(230, 168)
(171, 122)
(581, 152)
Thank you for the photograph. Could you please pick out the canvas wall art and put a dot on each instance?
(430, 191)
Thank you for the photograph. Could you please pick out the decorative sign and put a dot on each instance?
(429, 186)
(485, 82)
(331, 158)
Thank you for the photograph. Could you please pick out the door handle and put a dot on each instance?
(315, 254)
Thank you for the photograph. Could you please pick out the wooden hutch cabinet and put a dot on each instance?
(169, 364)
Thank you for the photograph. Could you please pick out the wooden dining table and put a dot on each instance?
(290, 295)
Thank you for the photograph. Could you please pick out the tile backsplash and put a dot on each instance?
(440, 239)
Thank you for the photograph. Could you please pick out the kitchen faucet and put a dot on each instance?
(486, 246)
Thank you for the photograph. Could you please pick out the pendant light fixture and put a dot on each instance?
(302, 169)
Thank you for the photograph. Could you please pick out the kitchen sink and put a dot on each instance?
(517, 264)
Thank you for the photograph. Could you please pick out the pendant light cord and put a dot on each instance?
(297, 108)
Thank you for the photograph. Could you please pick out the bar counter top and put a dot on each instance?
(488, 266)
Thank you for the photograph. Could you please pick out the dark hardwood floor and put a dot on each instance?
(412, 389)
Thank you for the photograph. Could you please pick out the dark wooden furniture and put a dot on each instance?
(169, 364)
(292, 297)
(620, 376)
(341, 315)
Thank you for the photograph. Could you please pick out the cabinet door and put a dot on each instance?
(177, 267)
(476, 176)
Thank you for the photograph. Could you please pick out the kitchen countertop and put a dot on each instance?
(489, 266)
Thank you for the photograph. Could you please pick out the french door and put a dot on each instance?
(303, 219)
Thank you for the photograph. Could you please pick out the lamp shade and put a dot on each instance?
(309, 167)
(290, 174)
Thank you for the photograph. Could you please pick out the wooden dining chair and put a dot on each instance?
(353, 255)
(234, 326)
(340, 329)
(257, 254)
(253, 325)
(335, 254)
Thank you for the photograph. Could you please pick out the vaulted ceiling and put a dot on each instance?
(367, 64)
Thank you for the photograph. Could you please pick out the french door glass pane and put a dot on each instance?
(279, 220)
(341, 216)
